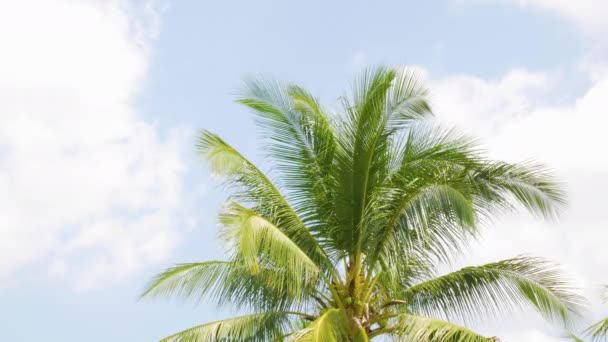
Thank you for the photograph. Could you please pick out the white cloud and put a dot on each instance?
(486, 105)
(515, 125)
(89, 189)
(531, 336)
(589, 15)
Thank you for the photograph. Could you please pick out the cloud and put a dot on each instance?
(515, 124)
(590, 15)
(487, 104)
(90, 190)
(532, 336)
(587, 15)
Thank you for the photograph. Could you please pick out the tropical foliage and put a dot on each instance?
(343, 239)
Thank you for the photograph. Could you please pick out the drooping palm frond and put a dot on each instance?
(420, 328)
(256, 241)
(188, 280)
(478, 291)
(232, 283)
(407, 99)
(530, 184)
(251, 185)
(433, 203)
(330, 326)
(421, 239)
(268, 326)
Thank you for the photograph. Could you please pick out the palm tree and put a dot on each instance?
(342, 240)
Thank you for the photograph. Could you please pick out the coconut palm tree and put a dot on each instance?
(343, 239)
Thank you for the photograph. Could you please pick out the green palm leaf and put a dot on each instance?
(330, 326)
(427, 193)
(425, 329)
(598, 331)
(531, 184)
(495, 288)
(230, 283)
(256, 327)
(299, 137)
(257, 241)
(252, 186)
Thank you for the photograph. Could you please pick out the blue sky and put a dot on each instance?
(102, 100)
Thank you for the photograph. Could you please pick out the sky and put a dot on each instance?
(101, 101)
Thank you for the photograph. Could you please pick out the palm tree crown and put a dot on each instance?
(344, 242)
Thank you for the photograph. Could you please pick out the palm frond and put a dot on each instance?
(530, 184)
(407, 99)
(299, 137)
(250, 185)
(184, 280)
(384, 103)
(427, 188)
(261, 327)
(494, 288)
(598, 331)
(257, 241)
(424, 329)
(360, 156)
(330, 326)
(229, 283)
(437, 222)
